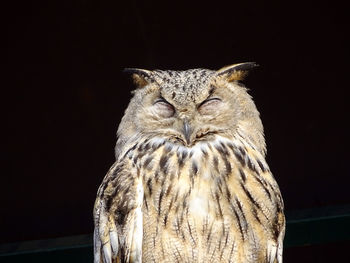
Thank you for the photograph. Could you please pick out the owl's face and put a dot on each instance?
(190, 106)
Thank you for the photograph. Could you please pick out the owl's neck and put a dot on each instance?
(153, 141)
(249, 132)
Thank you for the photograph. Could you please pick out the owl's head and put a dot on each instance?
(190, 106)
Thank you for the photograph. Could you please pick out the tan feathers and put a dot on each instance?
(193, 185)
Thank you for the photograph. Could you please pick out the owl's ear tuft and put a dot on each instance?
(236, 72)
(141, 77)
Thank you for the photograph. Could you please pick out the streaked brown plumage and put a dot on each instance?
(190, 182)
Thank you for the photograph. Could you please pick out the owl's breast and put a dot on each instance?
(215, 196)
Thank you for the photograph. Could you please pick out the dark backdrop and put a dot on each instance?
(63, 95)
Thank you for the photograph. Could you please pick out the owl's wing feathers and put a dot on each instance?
(118, 217)
(280, 244)
(275, 250)
(265, 197)
(275, 247)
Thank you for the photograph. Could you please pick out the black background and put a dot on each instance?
(63, 95)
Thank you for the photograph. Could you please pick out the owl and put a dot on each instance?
(190, 182)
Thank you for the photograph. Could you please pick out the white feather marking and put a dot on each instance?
(97, 247)
(199, 206)
(107, 253)
(181, 148)
(114, 242)
(280, 247)
(157, 141)
(271, 251)
(102, 237)
(279, 253)
(137, 234)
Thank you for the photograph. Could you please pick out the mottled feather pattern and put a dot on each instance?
(190, 182)
(192, 204)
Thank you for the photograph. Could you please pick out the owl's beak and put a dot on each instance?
(187, 131)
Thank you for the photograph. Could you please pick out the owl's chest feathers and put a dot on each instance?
(221, 180)
(218, 196)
